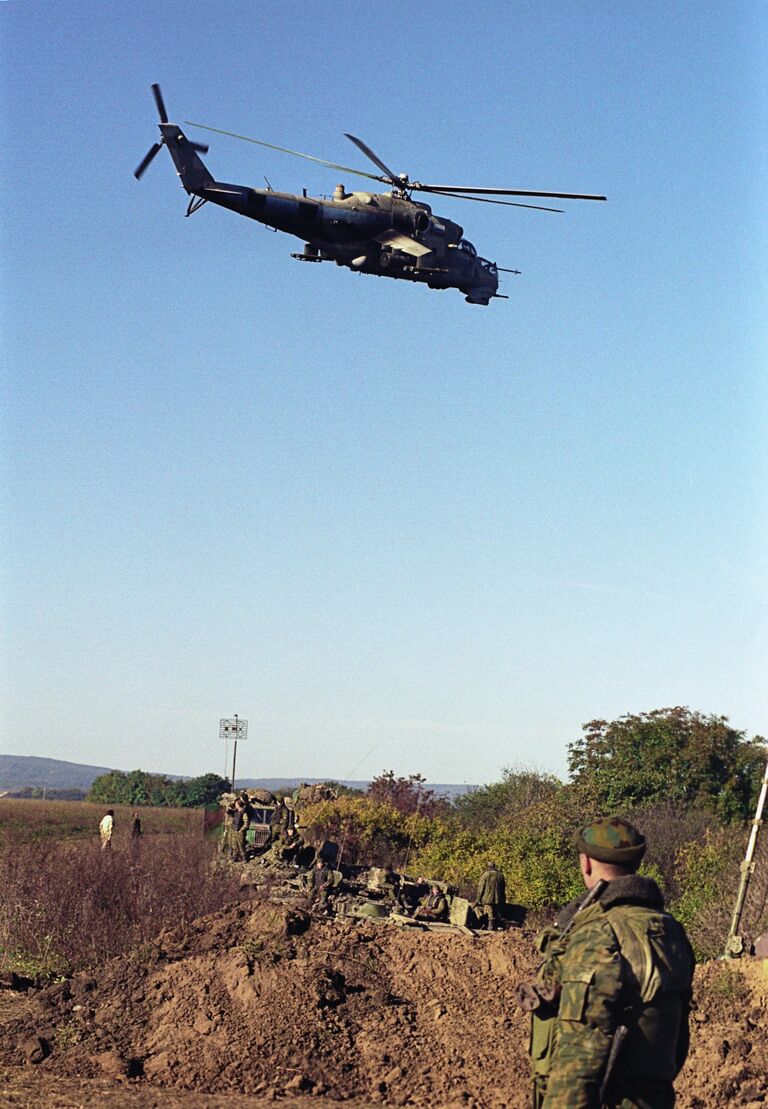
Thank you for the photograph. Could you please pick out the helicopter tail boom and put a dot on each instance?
(193, 173)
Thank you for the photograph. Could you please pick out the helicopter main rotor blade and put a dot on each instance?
(138, 173)
(160, 104)
(390, 176)
(487, 200)
(285, 150)
(458, 189)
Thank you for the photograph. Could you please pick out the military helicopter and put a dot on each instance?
(387, 234)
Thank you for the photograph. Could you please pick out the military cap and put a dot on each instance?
(611, 840)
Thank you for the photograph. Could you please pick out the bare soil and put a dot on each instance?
(260, 1002)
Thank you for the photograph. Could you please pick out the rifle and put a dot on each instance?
(618, 1039)
(530, 996)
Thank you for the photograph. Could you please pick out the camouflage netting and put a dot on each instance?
(304, 795)
(314, 794)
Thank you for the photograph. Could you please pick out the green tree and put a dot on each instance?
(138, 787)
(204, 790)
(668, 754)
(506, 800)
(110, 789)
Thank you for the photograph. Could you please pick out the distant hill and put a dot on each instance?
(18, 772)
(30, 772)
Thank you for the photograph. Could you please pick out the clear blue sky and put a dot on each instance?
(389, 528)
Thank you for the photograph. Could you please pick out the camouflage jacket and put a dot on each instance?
(624, 962)
(322, 877)
(436, 905)
(491, 887)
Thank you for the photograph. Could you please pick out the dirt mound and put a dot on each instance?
(728, 1061)
(253, 999)
(261, 1000)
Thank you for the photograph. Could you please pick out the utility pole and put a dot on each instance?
(234, 756)
(734, 945)
(238, 729)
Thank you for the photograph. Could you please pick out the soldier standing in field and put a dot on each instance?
(615, 1032)
(491, 896)
(106, 828)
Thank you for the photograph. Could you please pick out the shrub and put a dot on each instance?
(668, 828)
(368, 830)
(709, 874)
(74, 905)
(407, 795)
(535, 852)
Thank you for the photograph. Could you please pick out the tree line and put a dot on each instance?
(137, 788)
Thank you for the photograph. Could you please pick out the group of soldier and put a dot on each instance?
(610, 1001)
(423, 901)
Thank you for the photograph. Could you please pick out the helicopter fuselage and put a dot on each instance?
(389, 235)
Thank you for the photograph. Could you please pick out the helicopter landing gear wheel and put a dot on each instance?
(385, 259)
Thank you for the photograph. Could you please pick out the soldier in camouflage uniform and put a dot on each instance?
(289, 845)
(616, 1032)
(241, 821)
(433, 907)
(280, 819)
(491, 896)
(320, 885)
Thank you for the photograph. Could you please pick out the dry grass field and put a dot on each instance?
(67, 904)
(25, 821)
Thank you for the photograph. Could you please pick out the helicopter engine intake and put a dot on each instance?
(421, 223)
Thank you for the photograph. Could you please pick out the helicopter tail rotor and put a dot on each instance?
(140, 170)
(138, 173)
(160, 103)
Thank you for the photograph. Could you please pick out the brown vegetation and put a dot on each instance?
(71, 905)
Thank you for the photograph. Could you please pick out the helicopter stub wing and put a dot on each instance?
(398, 241)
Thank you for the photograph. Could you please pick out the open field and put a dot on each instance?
(25, 821)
